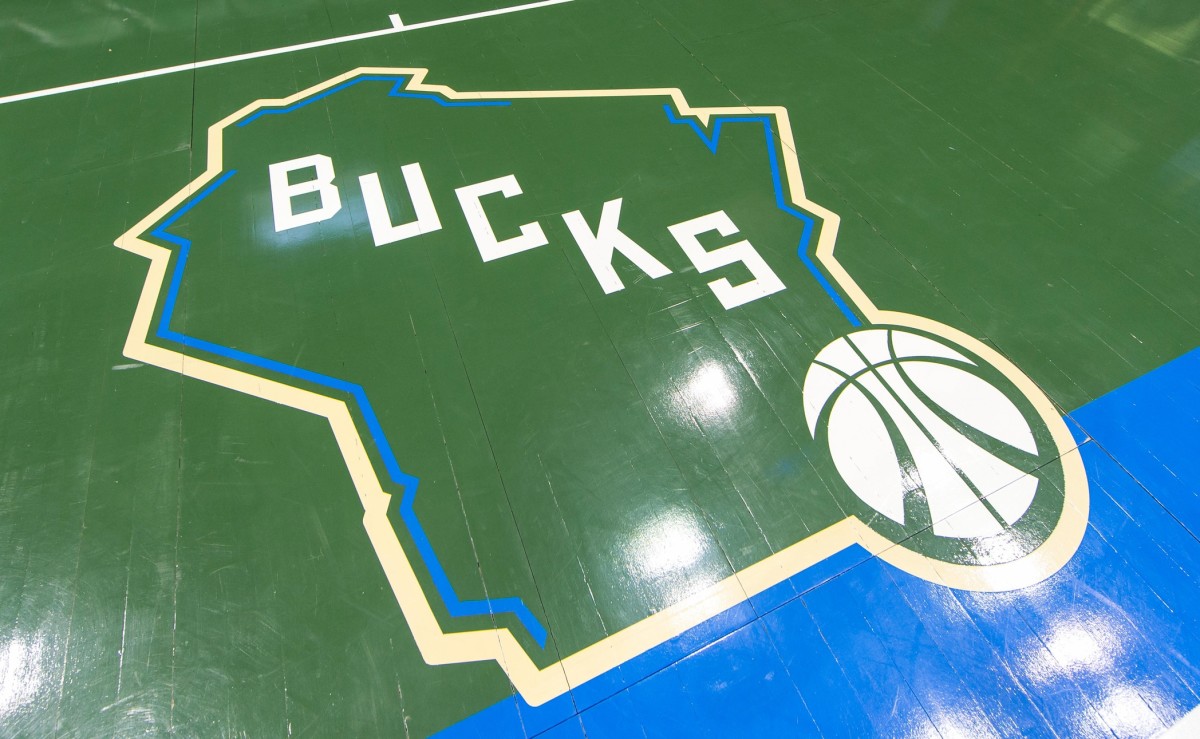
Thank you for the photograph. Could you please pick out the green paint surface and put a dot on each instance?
(178, 557)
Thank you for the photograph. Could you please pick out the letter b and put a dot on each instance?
(283, 192)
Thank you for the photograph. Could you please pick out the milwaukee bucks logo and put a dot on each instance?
(590, 347)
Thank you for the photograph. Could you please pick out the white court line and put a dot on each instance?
(397, 27)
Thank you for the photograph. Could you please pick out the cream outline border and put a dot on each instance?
(536, 685)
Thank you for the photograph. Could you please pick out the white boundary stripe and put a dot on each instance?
(538, 685)
(397, 26)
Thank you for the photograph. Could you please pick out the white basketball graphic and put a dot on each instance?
(866, 380)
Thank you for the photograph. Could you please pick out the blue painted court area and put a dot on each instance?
(857, 648)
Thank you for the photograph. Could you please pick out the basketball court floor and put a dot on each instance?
(817, 368)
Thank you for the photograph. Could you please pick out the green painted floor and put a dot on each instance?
(287, 462)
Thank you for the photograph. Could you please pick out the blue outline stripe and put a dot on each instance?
(409, 483)
(395, 92)
(711, 143)
(319, 96)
